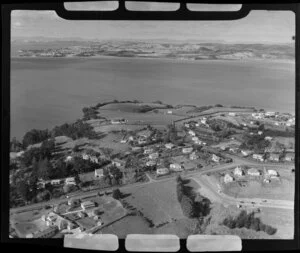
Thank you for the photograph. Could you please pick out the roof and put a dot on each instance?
(87, 203)
(253, 170)
(290, 155)
(274, 155)
(99, 171)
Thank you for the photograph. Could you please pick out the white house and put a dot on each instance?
(150, 163)
(233, 150)
(193, 156)
(274, 157)
(215, 158)
(98, 172)
(130, 138)
(153, 156)
(232, 114)
(289, 157)
(123, 141)
(195, 138)
(276, 123)
(169, 112)
(228, 178)
(118, 121)
(253, 172)
(175, 167)
(272, 173)
(55, 182)
(69, 158)
(246, 152)
(169, 145)
(162, 171)
(268, 138)
(70, 181)
(187, 125)
(192, 133)
(260, 132)
(187, 150)
(238, 171)
(270, 114)
(259, 157)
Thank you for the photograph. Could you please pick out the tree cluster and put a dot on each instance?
(248, 221)
(35, 136)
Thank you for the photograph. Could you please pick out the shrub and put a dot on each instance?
(187, 206)
(117, 194)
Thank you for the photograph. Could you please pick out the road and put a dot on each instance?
(237, 161)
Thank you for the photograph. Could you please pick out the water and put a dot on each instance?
(48, 92)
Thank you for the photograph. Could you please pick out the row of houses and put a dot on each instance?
(67, 181)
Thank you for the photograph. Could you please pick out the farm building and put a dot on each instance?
(215, 158)
(238, 171)
(162, 171)
(259, 157)
(98, 172)
(253, 172)
(274, 157)
(289, 157)
(87, 204)
(187, 150)
(228, 178)
(70, 181)
(169, 145)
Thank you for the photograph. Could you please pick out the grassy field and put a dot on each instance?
(157, 201)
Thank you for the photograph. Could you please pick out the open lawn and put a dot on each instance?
(157, 201)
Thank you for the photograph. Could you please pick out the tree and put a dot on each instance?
(23, 190)
(44, 169)
(117, 194)
(35, 136)
(187, 207)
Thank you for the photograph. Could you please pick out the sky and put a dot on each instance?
(257, 27)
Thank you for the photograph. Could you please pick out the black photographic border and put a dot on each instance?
(122, 14)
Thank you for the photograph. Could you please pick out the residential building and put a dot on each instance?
(272, 173)
(153, 156)
(260, 132)
(130, 138)
(99, 173)
(270, 114)
(69, 158)
(274, 157)
(238, 171)
(253, 172)
(246, 152)
(87, 204)
(232, 114)
(193, 156)
(47, 233)
(70, 181)
(55, 182)
(268, 138)
(228, 178)
(259, 157)
(123, 141)
(169, 112)
(187, 150)
(192, 133)
(215, 158)
(175, 167)
(195, 138)
(148, 151)
(289, 157)
(118, 121)
(233, 149)
(118, 163)
(162, 171)
(169, 145)
(187, 125)
(150, 163)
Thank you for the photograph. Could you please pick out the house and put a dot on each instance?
(148, 151)
(85, 156)
(268, 138)
(232, 114)
(187, 150)
(118, 121)
(130, 138)
(123, 141)
(270, 114)
(246, 152)
(162, 171)
(136, 148)
(228, 178)
(70, 181)
(99, 173)
(187, 125)
(253, 172)
(192, 133)
(199, 142)
(233, 150)
(118, 163)
(169, 112)
(272, 173)
(260, 132)
(51, 217)
(175, 167)
(169, 145)
(289, 157)
(215, 158)
(274, 157)
(193, 156)
(238, 171)
(142, 141)
(195, 138)
(150, 163)
(69, 158)
(55, 182)
(259, 157)
(276, 123)
(153, 156)
(87, 204)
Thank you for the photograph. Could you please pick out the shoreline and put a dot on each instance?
(287, 61)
